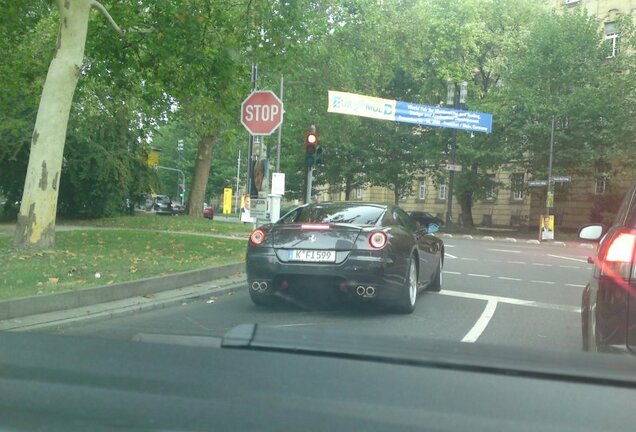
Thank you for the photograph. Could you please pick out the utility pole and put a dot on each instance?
(549, 200)
(457, 99)
(250, 145)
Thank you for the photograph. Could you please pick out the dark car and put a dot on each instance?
(361, 251)
(162, 205)
(608, 308)
(425, 218)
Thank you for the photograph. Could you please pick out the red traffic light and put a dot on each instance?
(311, 138)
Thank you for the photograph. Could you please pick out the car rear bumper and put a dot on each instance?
(356, 271)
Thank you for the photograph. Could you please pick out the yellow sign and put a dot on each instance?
(227, 200)
(546, 227)
(153, 157)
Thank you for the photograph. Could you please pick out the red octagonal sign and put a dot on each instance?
(261, 113)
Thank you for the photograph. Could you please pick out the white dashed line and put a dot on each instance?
(516, 262)
(447, 255)
(543, 282)
(504, 250)
(568, 258)
(570, 267)
(451, 272)
(575, 285)
(491, 238)
(542, 265)
(478, 275)
(510, 239)
(468, 259)
(482, 322)
(508, 278)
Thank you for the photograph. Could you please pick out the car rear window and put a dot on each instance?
(358, 215)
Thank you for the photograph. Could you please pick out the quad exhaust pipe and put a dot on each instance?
(367, 292)
(259, 286)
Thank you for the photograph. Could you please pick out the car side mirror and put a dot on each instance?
(592, 232)
(432, 228)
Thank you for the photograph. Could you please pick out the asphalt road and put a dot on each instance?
(494, 292)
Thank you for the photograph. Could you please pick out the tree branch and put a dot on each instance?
(97, 5)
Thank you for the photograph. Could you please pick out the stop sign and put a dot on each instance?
(261, 113)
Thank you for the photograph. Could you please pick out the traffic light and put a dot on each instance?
(311, 147)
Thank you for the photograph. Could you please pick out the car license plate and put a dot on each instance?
(312, 255)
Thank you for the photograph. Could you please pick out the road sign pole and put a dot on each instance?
(457, 98)
(309, 179)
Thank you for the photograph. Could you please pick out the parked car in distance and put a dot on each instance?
(208, 212)
(162, 205)
(177, 209)
(608, 306)
(425, 218)
(358, 251)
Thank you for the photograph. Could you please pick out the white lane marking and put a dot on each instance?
(493, 261)
(575, 285)
(508, 278)
(543, 282)
(533, 242)
(542, 265)
(478, 275)
(447, 255)
(504, 250)
(449, 245)
(568, 258)
(468, 259)
(510, 239)
(570, 267)
(491, 238)
(450, 272)
(516, 262)
(482, 322)
(510, 300)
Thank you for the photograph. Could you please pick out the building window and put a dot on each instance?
(442, 191)
(600, 184)
(612, 37)
(491, 187)
(421, 194)
(358, 193)
(517, 186)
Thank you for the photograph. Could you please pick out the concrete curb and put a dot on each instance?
(26, 306)
(56, 321)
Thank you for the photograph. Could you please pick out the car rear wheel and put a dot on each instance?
(436, 283)
(406, 303)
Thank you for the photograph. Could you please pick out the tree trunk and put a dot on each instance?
(396, 196)
(35, 228)
(200, 176)
(466, 202)
(348, 188)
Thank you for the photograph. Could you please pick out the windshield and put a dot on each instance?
(336, 213)
(415, 169)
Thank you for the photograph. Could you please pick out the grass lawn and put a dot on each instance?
(167, 223)
(117, 255)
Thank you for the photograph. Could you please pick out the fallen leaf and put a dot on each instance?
(53, 281)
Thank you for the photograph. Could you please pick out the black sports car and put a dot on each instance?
(370, 252)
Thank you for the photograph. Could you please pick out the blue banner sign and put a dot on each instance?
(406, 112)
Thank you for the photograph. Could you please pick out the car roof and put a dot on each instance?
(348, 204)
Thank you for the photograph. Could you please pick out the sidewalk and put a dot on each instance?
(59, 310)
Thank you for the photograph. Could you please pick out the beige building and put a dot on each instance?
(517, 203)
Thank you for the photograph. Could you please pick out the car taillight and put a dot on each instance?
(257, 237)
(617, 255)
(377, 240)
